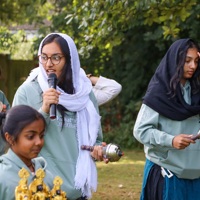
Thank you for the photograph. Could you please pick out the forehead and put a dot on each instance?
(192, 52)
(51, 48)
(36, 125)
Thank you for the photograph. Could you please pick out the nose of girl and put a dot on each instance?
(38, 140)
(193, 65)
(49, 63)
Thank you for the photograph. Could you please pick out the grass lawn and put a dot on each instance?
(121, 180)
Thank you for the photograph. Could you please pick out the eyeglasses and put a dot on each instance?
(55, 59)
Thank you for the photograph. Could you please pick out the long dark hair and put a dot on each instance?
(65, 81)
(176, 79)
(17, 118)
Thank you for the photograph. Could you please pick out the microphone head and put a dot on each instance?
(52, 76)
(52, 80)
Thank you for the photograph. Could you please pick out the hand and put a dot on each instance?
(93, 79)
(89, 75)
(50, 96)
(4, 108)
(182, 141)
(97, 153)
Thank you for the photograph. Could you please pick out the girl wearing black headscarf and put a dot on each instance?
(168, 118)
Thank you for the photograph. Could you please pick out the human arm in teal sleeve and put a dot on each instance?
(4, 100)
(3, 146)
(146, 129)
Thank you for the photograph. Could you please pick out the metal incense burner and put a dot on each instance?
(111, 151)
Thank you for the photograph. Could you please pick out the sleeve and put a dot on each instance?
(105, 90)
(21, 97)
(146, 129)
(100, 134)
(4, 100)
(3, 146)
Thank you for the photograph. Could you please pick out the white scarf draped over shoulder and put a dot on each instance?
(88, 120)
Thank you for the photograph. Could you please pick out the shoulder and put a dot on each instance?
(29, 93)
(2, 95)
(29, 84)
(146, 108)
(146, 113)
(1, 92)
(6, 166)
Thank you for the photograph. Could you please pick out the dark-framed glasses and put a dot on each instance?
(55, 59)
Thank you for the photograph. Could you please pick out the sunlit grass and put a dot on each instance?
(121, 180)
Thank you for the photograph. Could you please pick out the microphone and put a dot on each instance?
(52, 81)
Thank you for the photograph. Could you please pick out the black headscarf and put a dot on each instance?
(157, 96)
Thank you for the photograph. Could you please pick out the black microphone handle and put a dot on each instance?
(52, 111)
(52, 79)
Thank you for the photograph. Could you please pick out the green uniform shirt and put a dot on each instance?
(2, 142)
(156, 132)
(4, 100)
(61, 145)
(10, 165)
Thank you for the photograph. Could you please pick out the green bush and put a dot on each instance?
(123, 136)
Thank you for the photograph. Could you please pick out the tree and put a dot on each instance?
(23, 11)
(19, 12)
(123, 40)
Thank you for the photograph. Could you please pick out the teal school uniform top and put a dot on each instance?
(61, 146)
(10, 165)
(156, 132)
(4, 100)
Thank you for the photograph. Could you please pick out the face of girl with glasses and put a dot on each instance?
(52, 59)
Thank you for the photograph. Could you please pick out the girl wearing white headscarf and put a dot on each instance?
(77, 122)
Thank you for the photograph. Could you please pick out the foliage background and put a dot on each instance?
(123, 40)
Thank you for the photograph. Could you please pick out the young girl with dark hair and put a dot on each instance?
(77, 122)
(168, 118)
(23, 130)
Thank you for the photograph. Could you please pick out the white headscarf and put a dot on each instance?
(88, 120)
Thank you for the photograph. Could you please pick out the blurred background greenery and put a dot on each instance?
(122, 40)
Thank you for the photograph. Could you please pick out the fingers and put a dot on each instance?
(106, 160)
(97, 153)
(182, 141)
(104, 144)
(4, 108)
(89, 75)
(50, 96)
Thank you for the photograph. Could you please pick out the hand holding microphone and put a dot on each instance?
(52, 81)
